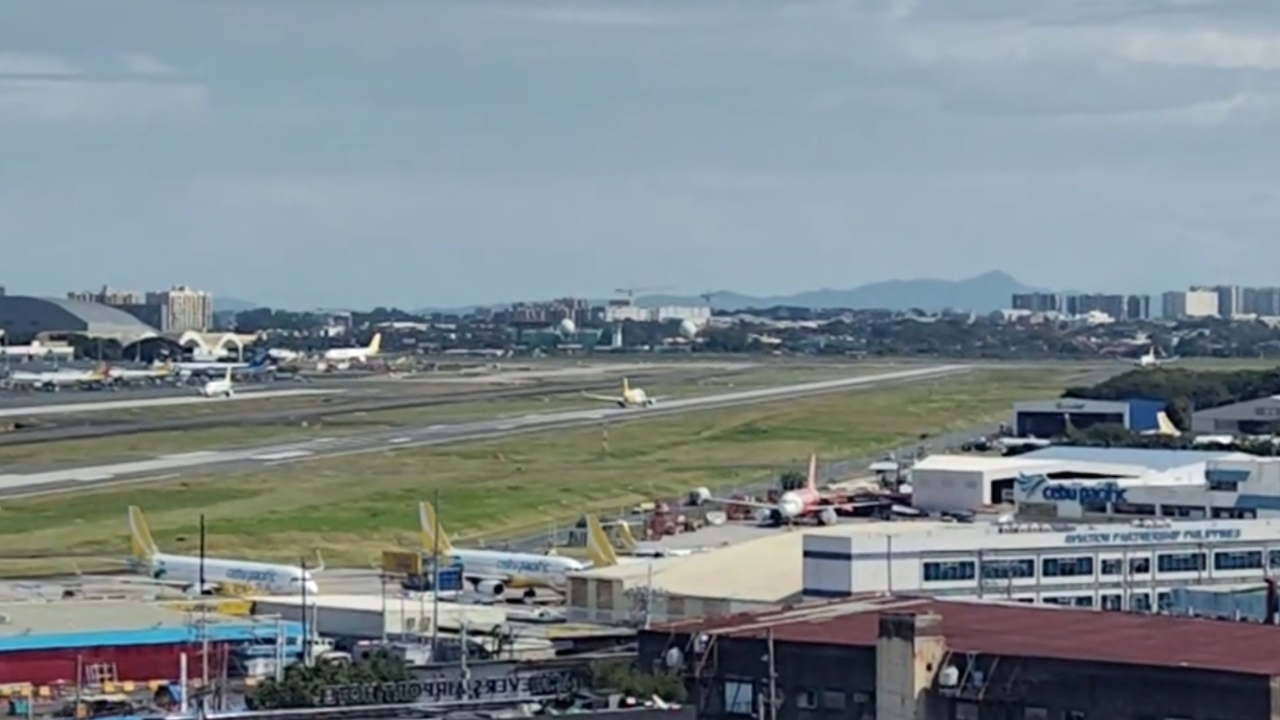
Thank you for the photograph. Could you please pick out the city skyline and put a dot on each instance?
(473, 152)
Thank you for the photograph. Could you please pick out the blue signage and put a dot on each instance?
(1108, 492)
(449, 579)
(528, 567)
(1126, 537)
(260, 577)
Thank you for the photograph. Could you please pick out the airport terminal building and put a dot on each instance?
(1252, 417)
(1113, 567)
(25, 318)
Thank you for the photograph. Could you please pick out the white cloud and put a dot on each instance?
(27, 65)
(44, 88)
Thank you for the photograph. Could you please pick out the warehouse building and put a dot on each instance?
(960, 483)
(901, 657)
(1053, 418)
(757, 573)
(25, 318)
(1111, 566)
(105, 641)
(1252, 417)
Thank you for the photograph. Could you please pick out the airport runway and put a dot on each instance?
(187, 398)
(244, 459)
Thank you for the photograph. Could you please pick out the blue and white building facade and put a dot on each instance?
(1114, 566)
(1233, 486)
(1052, 418)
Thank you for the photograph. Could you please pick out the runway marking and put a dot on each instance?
(397, 441)
(285, 455)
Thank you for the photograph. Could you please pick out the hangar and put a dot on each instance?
(24, 318)
(1252, 417)
(1051, 418)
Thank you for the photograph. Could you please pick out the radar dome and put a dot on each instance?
(567, 327)
(688, 329)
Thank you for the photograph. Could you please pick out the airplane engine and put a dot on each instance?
(492, 588)
(698, 496)
(622, 404)
(773, 516)
(194, 590)
(827, 516)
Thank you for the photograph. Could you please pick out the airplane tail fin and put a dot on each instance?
(319, 563)
(626, 386)
(375, 344)
(141, 544)
(625, 539)
(601, 551)
(813, 472)
(430, 524)
(228, 376)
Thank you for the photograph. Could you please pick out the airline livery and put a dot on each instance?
(184, 570)
(355, 354)
(630, 397)
(221, 387)
(493, 572)
(808, 502)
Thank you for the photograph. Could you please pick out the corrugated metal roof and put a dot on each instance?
(1158, 460)
(1028, 631)
(104, 316)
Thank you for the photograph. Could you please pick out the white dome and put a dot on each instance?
(688, 328)
(567, 327)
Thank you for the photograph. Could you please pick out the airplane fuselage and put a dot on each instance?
(515, 570)
(267, 577)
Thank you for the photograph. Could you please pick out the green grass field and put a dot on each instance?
(354, 507)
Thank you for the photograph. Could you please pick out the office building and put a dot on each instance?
(1112, 306)
(1182, 304)
(107, 296)
(182, 309)
(1264, 301)
(1137, 307)
(1037, 302)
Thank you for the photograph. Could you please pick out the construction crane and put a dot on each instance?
(630, 292)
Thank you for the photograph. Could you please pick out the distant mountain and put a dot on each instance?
(230, 304)
(985, 293)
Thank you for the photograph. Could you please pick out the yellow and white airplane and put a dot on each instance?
(354, 354)
(630, 397)
(493, 572)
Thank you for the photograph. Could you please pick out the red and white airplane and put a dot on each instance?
(806, 503)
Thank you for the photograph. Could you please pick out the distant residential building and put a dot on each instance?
(1137, 307)
(621, 311)
(107, 296)
(1037, 302)
(1112, 305)
(1177, 304)
(1263, 301)
(1229, 298)
(182, 308)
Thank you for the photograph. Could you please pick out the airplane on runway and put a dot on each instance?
(127, 375)
(354, 354)
(222, 387)
(630, 397)
(807, 502)
(54, 380)
(259, 364)
(1149, 359)
(492, 572)
(219, 574)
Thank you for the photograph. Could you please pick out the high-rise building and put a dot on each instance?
(1189, 304)
(181, 308)
(1230, 298)
(1137, 307)
(1260, 301)
(1112, 305)
(1037, 302)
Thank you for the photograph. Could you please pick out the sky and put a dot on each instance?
(353, 153)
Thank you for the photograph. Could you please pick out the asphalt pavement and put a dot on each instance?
(42, 481)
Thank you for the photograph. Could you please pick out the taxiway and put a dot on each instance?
(42, 481)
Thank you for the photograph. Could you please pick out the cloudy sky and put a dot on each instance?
(442, 152)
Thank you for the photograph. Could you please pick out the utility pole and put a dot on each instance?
(435, 580)
(306, 627)
(204, 629)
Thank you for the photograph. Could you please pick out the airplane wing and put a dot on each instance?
(743, 503)
(602, 398)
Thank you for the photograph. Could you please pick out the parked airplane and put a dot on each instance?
(219, 573)
(355, 354)
(1149, 359)
(221, 387)
(54, 380)
(630, 397)
(807, 502)
(492, 572)
(260, 363)
(128, 375)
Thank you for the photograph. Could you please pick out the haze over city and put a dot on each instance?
(473, 151)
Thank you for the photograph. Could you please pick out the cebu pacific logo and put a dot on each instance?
(159, 573)
(1029, 484)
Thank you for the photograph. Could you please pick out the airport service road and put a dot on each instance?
(165, 467)
(188, 397)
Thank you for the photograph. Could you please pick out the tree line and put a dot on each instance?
(1184, 391)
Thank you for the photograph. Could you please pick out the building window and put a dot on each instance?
(807, 700)
(1140, 602)
(1112, 602)
(1066, 566)
(1005, 569)
(1164, 601)
(833, 700)
(1224, 485)
(1140, 566)
(1112, 566)
(739, 698)
(1180, 562)
(1083, 601)
(949, 571)
(1238, 560)
(1273, 559)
